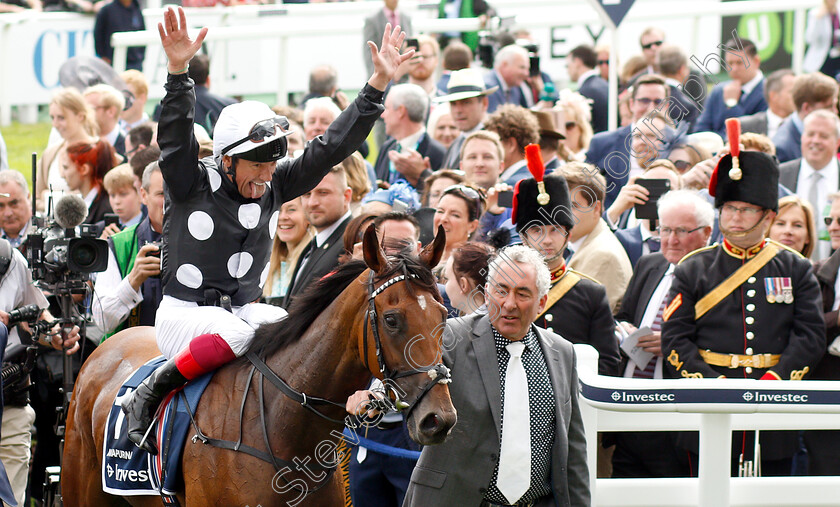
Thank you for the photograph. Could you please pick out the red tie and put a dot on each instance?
(393, 19)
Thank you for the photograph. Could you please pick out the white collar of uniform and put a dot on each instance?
(586, 75)
(324, 235)
(750, 85)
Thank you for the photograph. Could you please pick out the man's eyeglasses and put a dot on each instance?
(649, 45)
(260, 132)
(829, 220)
(680, 232)
(750, 212)
(648, 101)
(603, 62)
(133, 150)
(468, 193)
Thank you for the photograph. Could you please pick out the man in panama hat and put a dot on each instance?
(467, 97)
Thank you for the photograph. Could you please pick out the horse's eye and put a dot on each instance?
(390, 321)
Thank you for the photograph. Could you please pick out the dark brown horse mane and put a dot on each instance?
(272, 337)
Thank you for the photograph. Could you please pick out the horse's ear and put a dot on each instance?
(431, 254)
(374, 255)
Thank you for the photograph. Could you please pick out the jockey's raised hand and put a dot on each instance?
(387, 57)
(177, 45)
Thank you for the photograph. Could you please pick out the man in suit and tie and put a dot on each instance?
(327, 208)
(510, 70)
(685, 225)
(610, 151)
(673, 65)
(520, 438)
(595, 251)
(517, 128)
(410, 153)
(581, 64)
(817, 174)
(375, 25)
(810, 92)
(742, 95)
(108, 103)
(778, 92)
(467, 97)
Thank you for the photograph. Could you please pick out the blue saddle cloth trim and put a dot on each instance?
(128, 470)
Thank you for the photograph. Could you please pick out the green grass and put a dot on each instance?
(21, 141)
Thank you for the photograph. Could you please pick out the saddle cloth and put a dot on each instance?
(128, 470)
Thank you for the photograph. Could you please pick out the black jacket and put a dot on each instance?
(214, 238)
(321, 261)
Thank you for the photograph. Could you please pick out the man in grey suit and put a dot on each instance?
(778, 92)
(519, 438)
(375, 26)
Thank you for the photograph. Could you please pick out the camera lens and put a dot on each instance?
(84, 255)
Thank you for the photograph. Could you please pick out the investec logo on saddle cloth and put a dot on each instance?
(615, 396)
(128, 470)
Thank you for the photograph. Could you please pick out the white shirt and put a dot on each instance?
(91, 196)
(512, 169)
(586, 75)
(750, 85)
(411, 141)
(114, 134)
(655, 302)
(322, 238)
(16, 290)
(113, 296)
(836, 305)
(774, 121)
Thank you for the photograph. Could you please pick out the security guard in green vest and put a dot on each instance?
(748, 307)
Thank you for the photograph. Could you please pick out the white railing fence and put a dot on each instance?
(714, 408)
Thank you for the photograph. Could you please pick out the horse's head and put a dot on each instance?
(401, 338)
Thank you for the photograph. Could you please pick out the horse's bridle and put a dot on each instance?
(438, 374)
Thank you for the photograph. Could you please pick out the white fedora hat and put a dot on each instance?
(464, 84)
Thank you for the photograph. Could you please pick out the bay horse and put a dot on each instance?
(380, 317)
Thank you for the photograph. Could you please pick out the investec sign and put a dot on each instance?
(611, 395)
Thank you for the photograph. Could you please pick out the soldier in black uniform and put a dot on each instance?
(577, 307)
(746, 308)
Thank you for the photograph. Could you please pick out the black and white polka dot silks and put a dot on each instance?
(542, 407)
(215, 238)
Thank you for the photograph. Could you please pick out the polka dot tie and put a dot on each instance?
(515, 456)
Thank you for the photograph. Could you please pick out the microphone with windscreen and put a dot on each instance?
(70, 211)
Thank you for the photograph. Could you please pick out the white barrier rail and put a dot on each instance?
(714, 408)
(281, 42)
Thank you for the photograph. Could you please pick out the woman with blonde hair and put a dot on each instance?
(794, 225)
(75, 122)
(292, 236)
(578, 113)
(357, 179)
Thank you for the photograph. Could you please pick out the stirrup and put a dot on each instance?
(146, 435)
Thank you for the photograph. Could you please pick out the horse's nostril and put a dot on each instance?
(430, 424)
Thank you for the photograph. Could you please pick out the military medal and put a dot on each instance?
(787, 290)
(770, 290)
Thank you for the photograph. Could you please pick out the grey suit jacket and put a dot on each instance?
(374, 27)
(458, 471)
(789, 173)
(755, 123)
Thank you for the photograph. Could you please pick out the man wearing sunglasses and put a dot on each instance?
(746, 308)
(222, 211)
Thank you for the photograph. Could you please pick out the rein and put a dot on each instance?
(438, 374)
